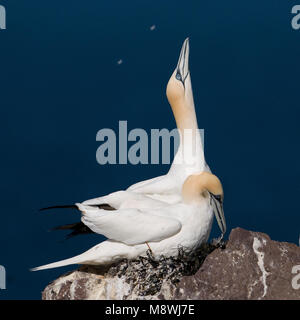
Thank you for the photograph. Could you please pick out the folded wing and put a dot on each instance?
(130, 226)
(126, 199)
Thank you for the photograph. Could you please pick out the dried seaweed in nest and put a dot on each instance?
(147, 275)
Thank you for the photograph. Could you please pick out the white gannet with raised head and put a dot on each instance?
(164, 228)
(188, 159)
(190, 154)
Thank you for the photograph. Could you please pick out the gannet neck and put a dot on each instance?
(185, 117)
(190, 152)
(182, 103)
(179, 92)
(198, 187)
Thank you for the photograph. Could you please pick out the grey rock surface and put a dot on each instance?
(251, 266)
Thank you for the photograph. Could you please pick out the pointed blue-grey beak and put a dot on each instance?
(182, 69)
(217, 204)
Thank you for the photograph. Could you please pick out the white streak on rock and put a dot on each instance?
(250, 289)
(73, 289)
(117, 288)
(260, 257)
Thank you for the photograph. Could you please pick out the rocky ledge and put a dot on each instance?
(249, 266)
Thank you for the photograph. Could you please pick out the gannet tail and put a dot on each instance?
(75, 260)
(86, 257)
(106, 252)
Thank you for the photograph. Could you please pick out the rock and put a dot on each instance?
(251, 266)
(138, 279)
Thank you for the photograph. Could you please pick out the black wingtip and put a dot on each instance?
(68, 206)
(75, 228)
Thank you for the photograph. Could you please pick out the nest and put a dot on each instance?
(147, 275)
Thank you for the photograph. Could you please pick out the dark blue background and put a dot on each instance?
(60, 83)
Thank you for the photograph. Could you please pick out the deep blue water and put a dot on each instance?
(60, 83)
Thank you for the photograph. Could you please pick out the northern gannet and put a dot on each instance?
(165, 228)
(189, 158)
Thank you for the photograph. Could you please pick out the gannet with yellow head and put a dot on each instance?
(164, 229)
(189, 158)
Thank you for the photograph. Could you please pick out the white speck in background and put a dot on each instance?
(119, 61)
(153, 27)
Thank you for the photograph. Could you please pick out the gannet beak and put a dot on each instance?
(182, 69)
(217, 204)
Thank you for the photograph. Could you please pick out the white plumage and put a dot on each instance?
(164, 228)
(164, 213)
(189, 157)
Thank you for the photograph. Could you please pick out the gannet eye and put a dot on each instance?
(216, 197)
(178, 76)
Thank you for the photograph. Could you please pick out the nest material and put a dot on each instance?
(146, 275)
